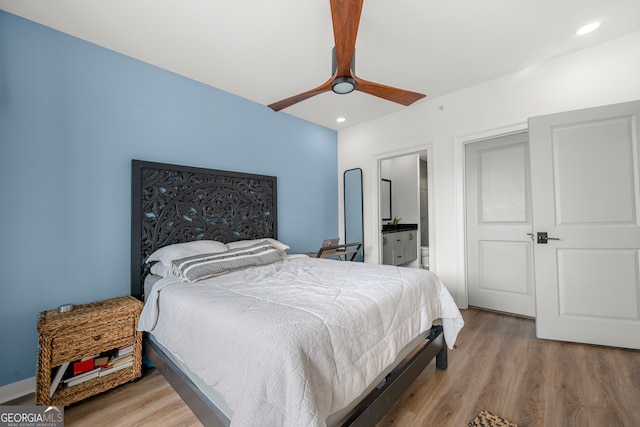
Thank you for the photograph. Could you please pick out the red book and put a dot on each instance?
(82, 366)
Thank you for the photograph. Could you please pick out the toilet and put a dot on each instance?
(424, 256)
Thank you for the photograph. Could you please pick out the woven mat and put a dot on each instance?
(487, 419)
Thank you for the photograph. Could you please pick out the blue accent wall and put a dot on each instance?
(72, 117)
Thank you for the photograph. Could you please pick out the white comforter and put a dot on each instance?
(290, 343)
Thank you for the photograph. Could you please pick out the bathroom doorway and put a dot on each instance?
(411, 180)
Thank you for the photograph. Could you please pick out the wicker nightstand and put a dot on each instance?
(87, 330)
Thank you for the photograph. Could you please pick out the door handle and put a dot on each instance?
(543, 237)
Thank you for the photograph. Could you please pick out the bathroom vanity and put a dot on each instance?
(399, 243)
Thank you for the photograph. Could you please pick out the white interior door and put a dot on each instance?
(585, 193)
(498, 218)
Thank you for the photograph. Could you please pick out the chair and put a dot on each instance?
(340, 250)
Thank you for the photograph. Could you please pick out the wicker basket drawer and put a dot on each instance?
(92, 340)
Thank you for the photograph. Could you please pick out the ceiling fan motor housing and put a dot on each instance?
(343, 85)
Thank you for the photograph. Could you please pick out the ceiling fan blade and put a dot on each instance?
(345, 15)
(325, 87)
(401, 96)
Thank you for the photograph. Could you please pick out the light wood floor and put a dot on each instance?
(499, 366)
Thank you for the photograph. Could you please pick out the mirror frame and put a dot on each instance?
(385, 199)
(350, 200)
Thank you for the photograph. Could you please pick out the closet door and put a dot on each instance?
(499, 225)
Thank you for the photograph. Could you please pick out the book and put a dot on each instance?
(79, 379)
(111, 369)
(100, 361)
(84, 374)
(56, 379)
(120, 360)
(124, 350)
(83, 365)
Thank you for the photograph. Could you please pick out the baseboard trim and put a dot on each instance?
(18, 389)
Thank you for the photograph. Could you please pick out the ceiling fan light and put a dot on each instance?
(343, 85)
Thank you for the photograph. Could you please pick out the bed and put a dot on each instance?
(249, 334)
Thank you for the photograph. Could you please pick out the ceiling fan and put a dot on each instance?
(345, 15)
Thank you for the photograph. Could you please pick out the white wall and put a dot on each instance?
(605, 74)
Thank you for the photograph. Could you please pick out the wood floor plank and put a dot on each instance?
(499, 366)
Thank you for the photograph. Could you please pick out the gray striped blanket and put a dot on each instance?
(203, 266)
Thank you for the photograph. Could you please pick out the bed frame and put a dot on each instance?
(174, 204)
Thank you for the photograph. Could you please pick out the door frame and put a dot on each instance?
(461, 198)
(417, 150)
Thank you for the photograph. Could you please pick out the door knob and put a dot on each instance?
(543, 237)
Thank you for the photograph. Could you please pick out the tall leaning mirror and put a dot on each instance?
(353, 221)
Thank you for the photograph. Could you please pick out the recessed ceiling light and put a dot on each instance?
(341, 120)
(588, 28)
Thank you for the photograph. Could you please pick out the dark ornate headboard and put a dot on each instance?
(175, 204)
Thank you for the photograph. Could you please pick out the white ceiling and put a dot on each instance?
(269, 50)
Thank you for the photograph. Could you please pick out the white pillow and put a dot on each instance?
(167, 254)
(244, 243)
(159, 269)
